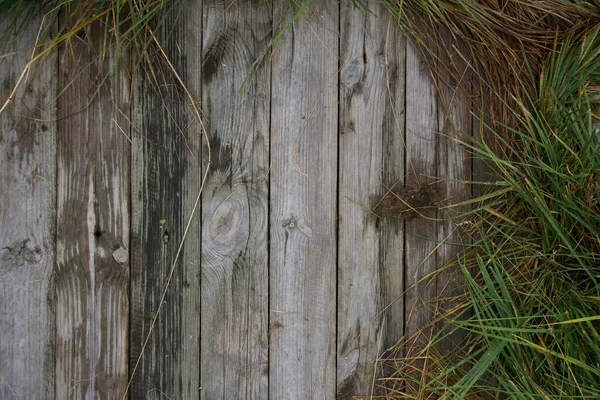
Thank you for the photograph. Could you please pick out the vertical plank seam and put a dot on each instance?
(438, 213)
(201, 204)
(55, 241)
(472, 123)
(269, 209)
(337, 204)
(59, 18)
(131, 221)
(404, 230)
(131, 226)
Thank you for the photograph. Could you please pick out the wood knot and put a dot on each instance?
(20, 253)
(295, 223)
(352, 73)
(224, 222)
(121, 255)
(227, 228)
(289, 223)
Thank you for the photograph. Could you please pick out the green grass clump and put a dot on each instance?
(530, 314)
(122, 28)
(127, 21)
(502, 42)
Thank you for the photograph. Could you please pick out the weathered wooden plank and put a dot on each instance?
(166, 177)
(371, 157)
(454, 167)
(235, 277)
(27, 223)
(303, 206)
(422, 158)
(92, 222)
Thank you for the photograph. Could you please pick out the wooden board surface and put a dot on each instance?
(422, 157)
(454, 166)
(304, 146)
(285, 286)
(27, 224)
(92, 271)
(235, 277)
(166, 177)
(371, 161)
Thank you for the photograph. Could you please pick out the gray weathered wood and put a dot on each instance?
(454, 167)
(235, 277)
(265, 299)
(27, 223)
(92, 272)
(371, 157)
(303, 206)
(421, 168)
(166, 176)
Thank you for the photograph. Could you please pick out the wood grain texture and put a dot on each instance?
(371, 157)
(454, 167)
(303, 206)
(27, 224)
(285, 288)
(235, 277)
(422, 158)
(92, 271)
(166, 177)
(392, 235)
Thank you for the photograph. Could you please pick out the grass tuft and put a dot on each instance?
(530, 312)
(503, 42)
(127, 27)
